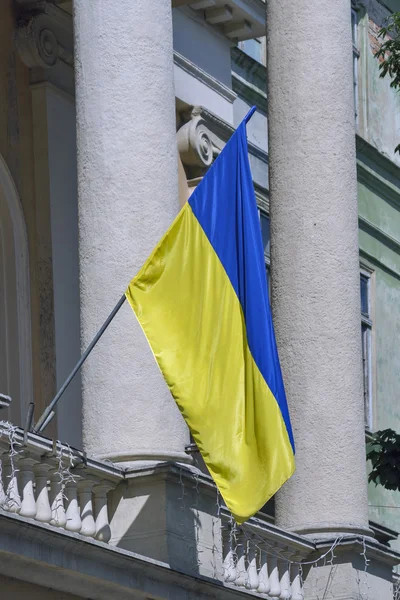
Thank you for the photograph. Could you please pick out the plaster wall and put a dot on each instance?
(347, 580)
(191, 35)
(169, 518)
(379, 104)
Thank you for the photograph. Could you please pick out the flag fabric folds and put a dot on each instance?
(202, 301)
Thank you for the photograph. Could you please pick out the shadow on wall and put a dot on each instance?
(161, 513)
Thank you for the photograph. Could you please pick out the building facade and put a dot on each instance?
(111, 113)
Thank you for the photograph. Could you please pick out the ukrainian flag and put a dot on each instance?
(202, 301)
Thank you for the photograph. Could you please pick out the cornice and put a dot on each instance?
(372, 157)
(378, 173)
(198, 73)
(249, 79)
(376, 261)
(236, 19)
(379, 234)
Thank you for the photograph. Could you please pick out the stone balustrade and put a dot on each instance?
(53, 483)
(264, 559)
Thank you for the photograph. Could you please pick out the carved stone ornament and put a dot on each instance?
(38, 45)
(194, 143)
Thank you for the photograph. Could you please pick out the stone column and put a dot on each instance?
(315, 261)
(128, 197)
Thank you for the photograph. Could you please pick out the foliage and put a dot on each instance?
(384, 453)
(389, 52)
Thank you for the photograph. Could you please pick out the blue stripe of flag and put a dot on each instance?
(224, 204)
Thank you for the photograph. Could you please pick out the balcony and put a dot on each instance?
(57, 504)
(53, 485)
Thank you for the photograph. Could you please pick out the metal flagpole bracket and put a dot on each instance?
(49, 412)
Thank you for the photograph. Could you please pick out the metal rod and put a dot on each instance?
(44, 420)
(48, 420)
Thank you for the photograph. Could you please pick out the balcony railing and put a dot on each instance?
(264, 559)
(55, 484)
(58, 485)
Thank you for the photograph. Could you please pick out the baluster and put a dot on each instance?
(241, 573)
(263, 586)
(297, 587)
(252, 574)
(285, 580)
(58, 514)
(275, 589)
(74, 522)
(43, 508)
(229, 560)
(103, 530)
(86, 505)
(13, 500)
(27, 479)
(229, 566)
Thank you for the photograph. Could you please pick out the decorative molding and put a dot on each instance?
(371, 154)
(240, 31)
(186, 65)
(249, 79)
(54, 90)
(379, 234)
(43, 36)
(194, 143)
(221, 131)
(201, 138)
(236, 19)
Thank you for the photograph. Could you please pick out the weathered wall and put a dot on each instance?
(379, 104)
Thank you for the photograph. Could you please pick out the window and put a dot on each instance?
(356, 56)
(254, 48)
(366, 343)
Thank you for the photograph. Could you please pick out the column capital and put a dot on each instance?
(43, 35)
(194, 143)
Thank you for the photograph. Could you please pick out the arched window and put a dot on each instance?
(15, 325)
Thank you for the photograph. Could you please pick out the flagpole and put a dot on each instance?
(49, 413)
